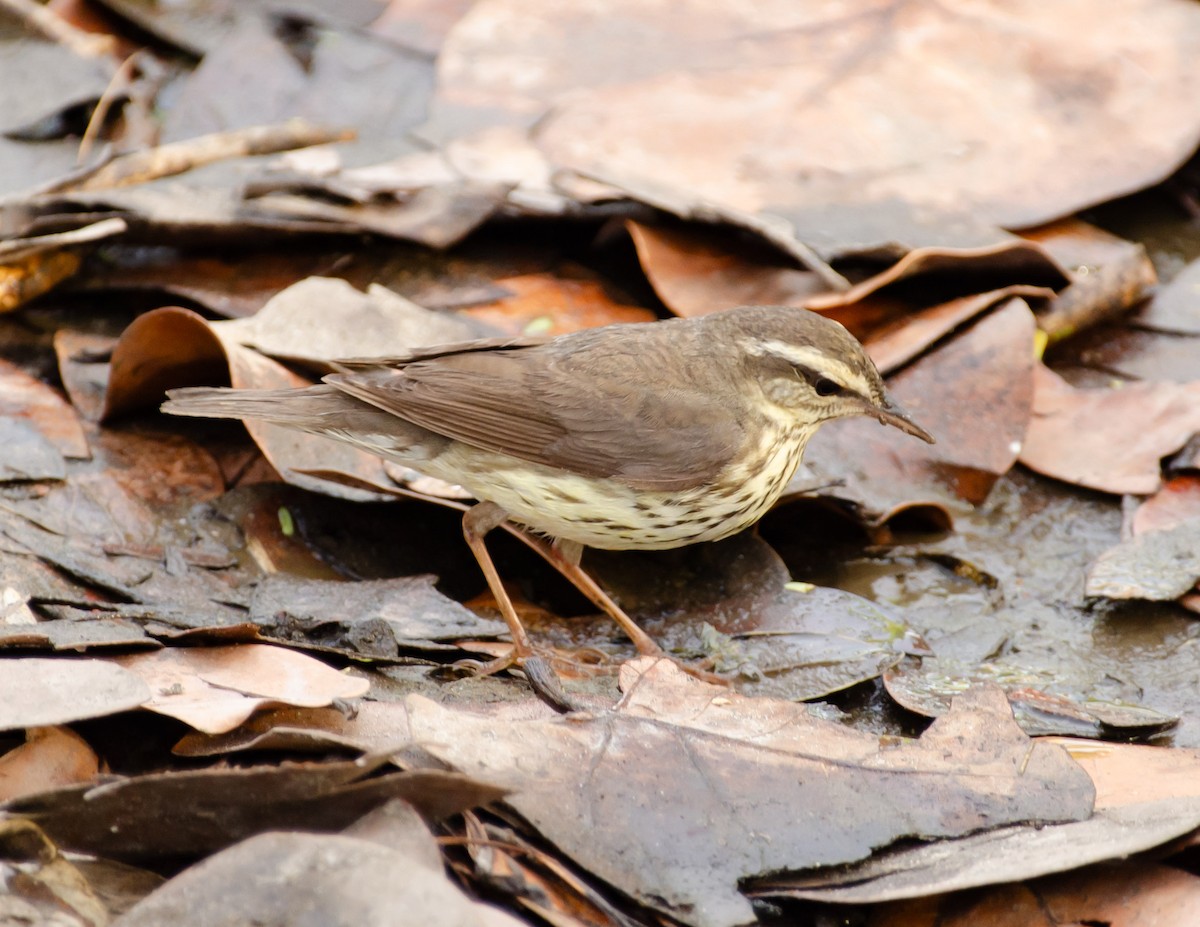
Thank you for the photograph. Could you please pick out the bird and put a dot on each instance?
(637, 436)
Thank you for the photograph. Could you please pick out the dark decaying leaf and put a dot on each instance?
(927, 686)
(333, 880)
(756, 777)
(377, 618)
(732, 602)
(189, 814)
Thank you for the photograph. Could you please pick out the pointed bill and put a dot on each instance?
(890, 413)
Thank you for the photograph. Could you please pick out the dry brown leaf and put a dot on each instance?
(763, 104)
(1108, 276)
(1177, 503)
(1140, 894)
(176, 347)
(49, 758)
(551, 304)
(1013, 262)
(894, 345)
(214, 689)
(696, 270)
(322, 319)
(1108, 439)
(37, 692)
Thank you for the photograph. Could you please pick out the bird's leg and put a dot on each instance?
(564, 556)
(477, 522)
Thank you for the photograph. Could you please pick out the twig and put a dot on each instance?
(179, 157)
(57, 29)
(115, 89)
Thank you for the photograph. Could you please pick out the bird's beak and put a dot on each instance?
(892, 414)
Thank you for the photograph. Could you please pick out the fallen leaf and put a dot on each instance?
(28, 399)
(1108, 439)
(328, 879)
(40, 692)
(739, 768)
(761, 105)
(49, 758)
(214, 689)
(697, 270)
(196, 812)
(1176, 306)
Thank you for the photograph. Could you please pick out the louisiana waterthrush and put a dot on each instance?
(627, 437)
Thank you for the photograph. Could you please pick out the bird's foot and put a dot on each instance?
(537, 668)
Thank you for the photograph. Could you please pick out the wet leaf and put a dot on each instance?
(733, 604)
(1159, 565)
(378, 618)
(927, 686)
(1145, 797)
(739, 767)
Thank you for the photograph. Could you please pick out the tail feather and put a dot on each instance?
(319, 410)
(309, 408)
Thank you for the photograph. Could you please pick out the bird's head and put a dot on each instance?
(810, 368)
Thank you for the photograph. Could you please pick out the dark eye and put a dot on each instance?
(826, 387)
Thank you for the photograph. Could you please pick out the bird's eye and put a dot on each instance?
(827, 387)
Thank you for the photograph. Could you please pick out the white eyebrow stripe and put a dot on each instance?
(815, 359)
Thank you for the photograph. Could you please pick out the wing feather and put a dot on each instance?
(596, 406)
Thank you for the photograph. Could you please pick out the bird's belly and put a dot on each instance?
(607, 514)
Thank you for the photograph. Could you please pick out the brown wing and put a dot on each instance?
(591, 404)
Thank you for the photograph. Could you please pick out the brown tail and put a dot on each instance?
(319, 410)
(309, 409)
